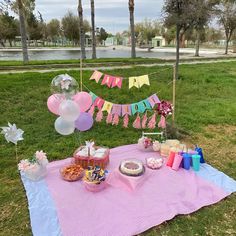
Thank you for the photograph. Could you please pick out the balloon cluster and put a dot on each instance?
(70, 105)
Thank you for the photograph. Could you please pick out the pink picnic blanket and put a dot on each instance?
(120, 211)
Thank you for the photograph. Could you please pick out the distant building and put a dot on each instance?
(111, 41)
(158, 41)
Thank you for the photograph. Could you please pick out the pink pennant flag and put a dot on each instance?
(108, 80)
(116, 109)
(117, 82)
(98, 103)
(126, 109)
(153, 100)
(96, 76)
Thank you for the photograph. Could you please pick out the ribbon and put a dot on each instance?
(96, 76)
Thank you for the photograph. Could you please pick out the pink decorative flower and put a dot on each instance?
(24, 165)
(40, 155)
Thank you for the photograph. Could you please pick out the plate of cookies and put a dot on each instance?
(72, 172)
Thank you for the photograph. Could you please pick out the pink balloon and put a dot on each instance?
(84, 100)
(54, 102)
(84, 122)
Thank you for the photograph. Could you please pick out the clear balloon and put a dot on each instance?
(64, 84)
(64, 127)
(54, 102)
(84, 122)
(84, 100)
(69, 110)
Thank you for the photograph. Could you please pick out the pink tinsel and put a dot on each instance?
(162, 122)
(115, 120)
(152, 122)
(137, 122)
(144, 121)
(91, 110)
(126, 121)
(109, 118)
(99, 116)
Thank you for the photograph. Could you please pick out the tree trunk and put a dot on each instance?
(81, 27)
(23, 31)
(131, 13)
(177, 52)
(93, 30)
(227, 46)
(197, 44)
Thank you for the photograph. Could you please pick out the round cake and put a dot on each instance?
(132, 167)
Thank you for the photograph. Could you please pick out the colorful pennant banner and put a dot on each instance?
(114, 81)
(123, 109)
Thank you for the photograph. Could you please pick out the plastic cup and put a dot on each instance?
(187, 161)
(171, 159)
(199, 150)
(196, 162)
(177, 162)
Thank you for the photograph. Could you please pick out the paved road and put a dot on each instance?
(116, 67)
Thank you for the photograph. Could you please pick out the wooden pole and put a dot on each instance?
(174, 95)
(81, 74)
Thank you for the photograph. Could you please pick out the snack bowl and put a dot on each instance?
(154, 162)
(94, 186)
(72, 172)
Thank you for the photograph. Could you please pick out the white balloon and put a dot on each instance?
(69, 110)
(64, 127)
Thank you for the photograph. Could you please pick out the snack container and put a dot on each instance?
(86, 161)
(71, 178)
(154, 162)
(93, 186)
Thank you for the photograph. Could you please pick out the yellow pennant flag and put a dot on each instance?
(144, 79)
(107, 107)
(133, 82)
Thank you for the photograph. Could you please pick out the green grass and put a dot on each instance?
(205, 97)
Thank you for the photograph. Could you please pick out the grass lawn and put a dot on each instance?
(206, 108)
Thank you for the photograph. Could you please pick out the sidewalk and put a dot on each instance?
(114, 67)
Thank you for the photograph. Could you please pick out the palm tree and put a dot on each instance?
(81, 26)
(23, 31)
(93, 30)
(133, 41)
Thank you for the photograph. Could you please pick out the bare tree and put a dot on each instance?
(133, 41)
(227, 17)
(81, 28)
(179, 13)
(23, 31)
(93, 30)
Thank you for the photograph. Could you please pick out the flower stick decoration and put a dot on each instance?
(13, 135)
(164, 109)
(89, 145)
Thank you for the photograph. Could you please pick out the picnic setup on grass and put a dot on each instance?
(121, 191)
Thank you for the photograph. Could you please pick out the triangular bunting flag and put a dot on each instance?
(107, 107)
(133, 82)
(96, 76)
(107, 80)
(144, 79)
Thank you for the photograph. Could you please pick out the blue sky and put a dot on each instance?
(113, 15)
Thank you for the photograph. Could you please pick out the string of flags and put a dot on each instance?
(115, 81)
(116, 111)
